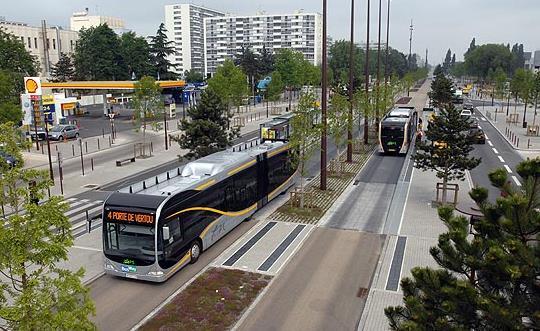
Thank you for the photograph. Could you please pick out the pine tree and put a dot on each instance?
(447, 150)
(489, 281)
(266, 62)
(447, 60)
(206, 132)
(63, 70)
(161, 48)
(442, 91)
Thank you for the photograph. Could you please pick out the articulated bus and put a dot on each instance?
(397, 129)
(150, 232)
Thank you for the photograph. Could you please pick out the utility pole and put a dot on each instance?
(378, 85)
(366, 74)
(426, 65)
(45, 124)
(323, 102)
(386, 71)
(411, 28)
(351, 89)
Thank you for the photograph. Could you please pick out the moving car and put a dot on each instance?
(466, 113)
(477, 135)
(468, 106)
(61, 132)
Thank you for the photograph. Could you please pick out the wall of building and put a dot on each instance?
(57, 39)
(82, 20)
(225, 36)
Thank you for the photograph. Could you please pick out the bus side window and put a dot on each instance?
(175, 230)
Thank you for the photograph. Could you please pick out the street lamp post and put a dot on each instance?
(51, 173)
(387, 51)
(366, 74)
(165, 128)
(324, 102)
(111, 118)
(351, 88)
(378, 67)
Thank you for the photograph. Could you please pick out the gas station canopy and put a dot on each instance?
(106, 85)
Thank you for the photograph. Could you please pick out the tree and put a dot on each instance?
(249, 62)
(472, 46)
(526, 91)
(453, 61)
(161, 48)
(489, 281)
(447, 152)
(146, 102)
(289, 64)
(63, 70)
(229, 83)
(35, 293)
(275, 88)
(135, 53)
(10, 110)
(303, 138)
(193, 76)
(206, 132)
(535, 93)
(408, 81)
(458, 69)
(442, 91)
(500, 82)
(97, 55)
(489, 56)
(266, 62)
(447, 61)
(338, 121)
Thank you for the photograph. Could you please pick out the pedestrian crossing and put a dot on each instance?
(80, 212)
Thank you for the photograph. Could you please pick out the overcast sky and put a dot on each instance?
(438, 24)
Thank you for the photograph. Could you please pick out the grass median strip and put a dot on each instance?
(214, 301)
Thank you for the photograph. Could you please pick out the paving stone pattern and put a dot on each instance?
(324, 199)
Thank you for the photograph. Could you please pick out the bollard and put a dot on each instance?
(168, 176)
(92, 163)
(109, 141)
(157, 182)
(130, 189)
(56, 147)
(88, 222)
(151, 148)
(517, 145)
(178, 171)
(86, 146)
(102, 132)
(144, 185)
(98, 144)
(529, 143)
(42, 151)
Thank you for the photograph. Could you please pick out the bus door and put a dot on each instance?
(262, 179)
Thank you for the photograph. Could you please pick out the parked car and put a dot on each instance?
(9, 159)
(40, 135)
(466, 113)
(468, 106)
(61, 132)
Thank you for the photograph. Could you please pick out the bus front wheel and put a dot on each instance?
(195, 251)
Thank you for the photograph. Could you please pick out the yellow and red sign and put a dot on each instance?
(32, 85)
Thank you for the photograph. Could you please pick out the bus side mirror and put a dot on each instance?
(166, 233)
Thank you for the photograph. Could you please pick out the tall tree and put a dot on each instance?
(447, 60)
(147, 102)
(453, 61)
(249, 62)
(489, 56)
(193, 76)
(229, 83)
(161, 48)
(303, 138)
(488, 281)
(500, 82)
(97, 55)
(266, 62)
(442, 91)
(275, 88)
(135, 53)
(36, 294)
(337, 122)
(10, 110)
(206, 132)
(63, 70)
(289, 64)
(472, 46)
(447, 150)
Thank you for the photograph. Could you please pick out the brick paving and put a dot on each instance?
(323, 200)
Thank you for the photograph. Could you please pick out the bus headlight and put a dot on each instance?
(156, 273)
(109, 266)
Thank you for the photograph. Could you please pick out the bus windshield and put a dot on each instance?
(130, 242)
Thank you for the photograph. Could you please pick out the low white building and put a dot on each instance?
(45, 42)
(225, 36)
(82, 20)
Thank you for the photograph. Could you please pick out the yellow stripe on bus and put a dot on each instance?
(242, 167)
(180, 263)
(284, 148)
(271, 195)
(205, 185)
(217, 211)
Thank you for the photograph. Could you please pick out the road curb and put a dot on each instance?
(506, 138)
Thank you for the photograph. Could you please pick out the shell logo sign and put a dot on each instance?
(32, 85)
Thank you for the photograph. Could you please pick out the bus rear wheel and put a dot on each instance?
(195, 251)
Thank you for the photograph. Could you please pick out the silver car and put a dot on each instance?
(61, 132)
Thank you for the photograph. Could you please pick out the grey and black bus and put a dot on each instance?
(155, 227)
(397, 130)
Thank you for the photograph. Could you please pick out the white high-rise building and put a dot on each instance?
(225, 36)
(184, 24)
(45, 42)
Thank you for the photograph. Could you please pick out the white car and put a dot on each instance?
(466, 112)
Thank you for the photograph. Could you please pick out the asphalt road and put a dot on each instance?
(495, 154)
(316, 300)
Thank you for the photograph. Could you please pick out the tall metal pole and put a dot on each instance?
(386, 71)
(51, 173)
(378, 67)
(165, 128)
(410, 45)
(351, 89)
(323, 102)
(366, 74)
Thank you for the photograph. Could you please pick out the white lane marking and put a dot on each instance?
(70, 199)
(469, 179)
(485, 135)
(516, 181)
(495, 151)
(480, 127)
(490, 143)
(508, 169)
(501, 159)
(483, 119)
(88, 248)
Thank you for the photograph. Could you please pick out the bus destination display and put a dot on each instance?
(130, 217)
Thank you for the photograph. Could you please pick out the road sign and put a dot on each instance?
(172, 110)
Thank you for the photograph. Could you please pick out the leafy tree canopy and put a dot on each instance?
(489, 56)
(229, 83)
(135, 53)
(193, 76)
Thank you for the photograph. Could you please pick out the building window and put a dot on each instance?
(29, 42)
(35, 43)
(48, 45)
(54, 43)
(22, 40)
(71, 45)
